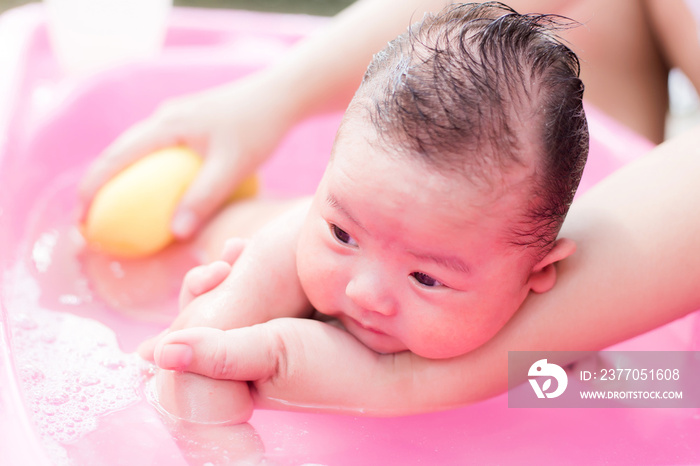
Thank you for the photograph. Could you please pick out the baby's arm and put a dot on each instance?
(265, 262)
(233, 292)
(636, 267)
(263, 283)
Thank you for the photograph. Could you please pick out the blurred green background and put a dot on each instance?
(315, 7)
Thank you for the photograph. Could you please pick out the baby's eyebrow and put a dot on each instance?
(451, 262)
(333, 202)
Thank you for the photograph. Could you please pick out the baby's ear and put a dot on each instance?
(544, 274)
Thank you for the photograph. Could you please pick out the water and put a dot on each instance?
(87, 398)
(65, 304)
(134, 297)
(67, 369)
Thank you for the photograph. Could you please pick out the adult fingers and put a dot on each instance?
(219, 175)
(139, 140)
(250, 353)
(290, 362)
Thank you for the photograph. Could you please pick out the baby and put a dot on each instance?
(439, 210)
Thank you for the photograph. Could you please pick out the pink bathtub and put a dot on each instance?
(71, 392)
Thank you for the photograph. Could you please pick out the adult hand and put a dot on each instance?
(288, 362)
(235, 127)
(307, 365)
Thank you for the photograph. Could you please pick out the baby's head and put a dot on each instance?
(450, 177)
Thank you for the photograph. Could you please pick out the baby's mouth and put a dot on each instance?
(366, 327)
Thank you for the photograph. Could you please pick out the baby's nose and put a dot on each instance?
(370, 292)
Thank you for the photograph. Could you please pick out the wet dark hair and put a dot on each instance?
(479, 88)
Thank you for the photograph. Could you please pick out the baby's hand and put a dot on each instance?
(198, 281)
(205, 278)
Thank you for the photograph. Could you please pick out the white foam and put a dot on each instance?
(71, 368)
(75, 375)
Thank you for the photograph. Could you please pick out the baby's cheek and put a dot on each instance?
(319, 279)
(312, 281)
(451, 329)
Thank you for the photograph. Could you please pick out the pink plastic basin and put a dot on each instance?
(70, 392)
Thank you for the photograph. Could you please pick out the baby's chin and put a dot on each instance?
(384, 348)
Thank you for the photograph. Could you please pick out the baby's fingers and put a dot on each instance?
(233, 249)
(202, 279)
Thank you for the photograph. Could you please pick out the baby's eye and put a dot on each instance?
(425, 280)
(342, 236)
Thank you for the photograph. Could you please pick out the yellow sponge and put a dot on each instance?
(130, 215)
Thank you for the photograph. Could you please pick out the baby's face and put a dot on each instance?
(406, 258)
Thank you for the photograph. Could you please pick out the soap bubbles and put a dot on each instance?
(74, 377)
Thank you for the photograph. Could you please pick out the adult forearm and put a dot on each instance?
(677, 30)
(323, 71)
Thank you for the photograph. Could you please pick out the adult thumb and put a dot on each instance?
(221, 172)
(245, 354)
